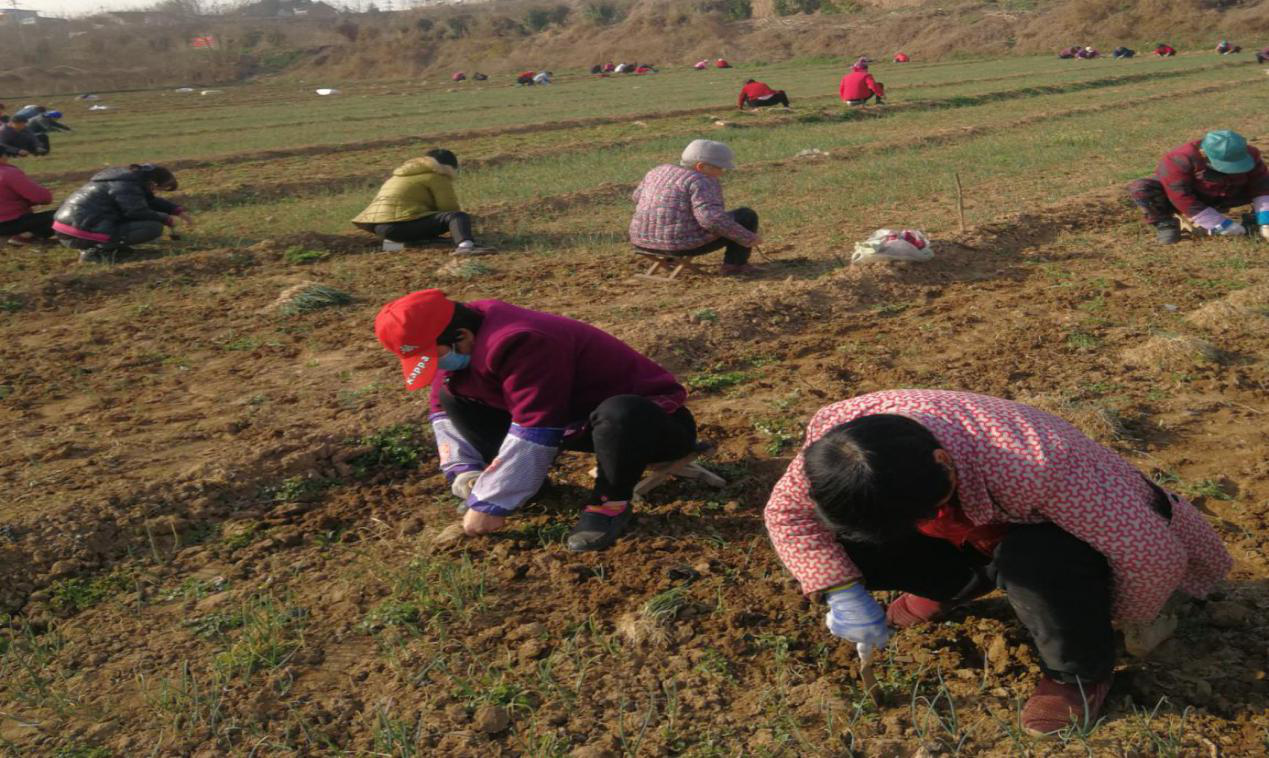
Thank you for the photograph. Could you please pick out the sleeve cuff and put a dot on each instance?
(483, 506)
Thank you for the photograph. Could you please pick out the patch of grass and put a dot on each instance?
(187, 700)
(1082, 341)
(268, 637)
(77, 593)
(215, 625)
(299, 489)
(705, 314)
(781, 433)
(81, 751)
(396, 737)
(427, 592)
(664, 607)
(397, 447)
(242, 537)
(301, 255)
(11, 302)
(716, 381)
(1208, 488)
(242, 344)
(314, 297)
(467, 269)
(391, 612)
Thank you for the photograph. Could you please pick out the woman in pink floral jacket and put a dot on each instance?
(949, 495)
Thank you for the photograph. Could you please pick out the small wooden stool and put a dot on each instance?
(671, 264)
(683, 468)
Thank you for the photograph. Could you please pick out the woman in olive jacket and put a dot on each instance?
(418, 204)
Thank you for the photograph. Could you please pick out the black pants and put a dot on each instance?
(1058, 586)
(779, 98)
(626, 433)
(1261, 57)
(39, 224)
(737, 253)
(428, 228)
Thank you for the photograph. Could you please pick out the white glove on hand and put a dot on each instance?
(1264, 231)
(1230, 228)
(853, 615)
(464, 483)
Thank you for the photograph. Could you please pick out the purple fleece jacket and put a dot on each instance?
(549, 372)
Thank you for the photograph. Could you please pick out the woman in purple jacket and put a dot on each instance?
(512, 387)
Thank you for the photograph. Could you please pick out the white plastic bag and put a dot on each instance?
(893, 245)
(327, 91)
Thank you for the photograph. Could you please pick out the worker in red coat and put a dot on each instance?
(1164, 50)
(756, 94)
(720, 63)
(901, 58)
(858, 87)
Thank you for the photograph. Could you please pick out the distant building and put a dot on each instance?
(138, 18)
(288, 9)
(16, 16)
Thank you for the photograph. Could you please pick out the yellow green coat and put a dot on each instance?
(417, 188)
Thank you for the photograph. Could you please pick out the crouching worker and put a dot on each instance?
(858, 86)
(18, 196)
(1202, 180)
(949, 495)
(756, 94)
(418, 204)
(116, 209)
(512, 387)
(679, 210)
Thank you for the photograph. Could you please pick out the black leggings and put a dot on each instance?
(1058, 585)
(39, 224)
(625, 432)
(779, 98)
(736, 254)
(428, 228)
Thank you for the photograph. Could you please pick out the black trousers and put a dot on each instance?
(1148, 195)
(432, 227)
(39, 224)
(1058, 586)
(126, 234)
(626, 433)
(736, 253)
(779, 98)
(865, 100)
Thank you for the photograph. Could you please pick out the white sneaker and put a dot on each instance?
(393, 247)
(469, 247)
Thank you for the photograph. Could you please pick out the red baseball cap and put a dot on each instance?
(409, 326)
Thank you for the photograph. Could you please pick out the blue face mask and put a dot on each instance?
(453, 361)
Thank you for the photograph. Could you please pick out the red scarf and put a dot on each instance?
(950, 524)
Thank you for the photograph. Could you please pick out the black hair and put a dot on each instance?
(750, 81)
(463, 318)
(443, 157)
(161, 176)
(18, 119)
(874, 477)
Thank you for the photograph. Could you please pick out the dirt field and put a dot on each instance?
(218, 529)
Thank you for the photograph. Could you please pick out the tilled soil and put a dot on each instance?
(223, 528)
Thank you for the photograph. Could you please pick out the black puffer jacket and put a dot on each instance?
(113, 197)
(13, 141)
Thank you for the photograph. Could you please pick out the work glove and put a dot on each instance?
(853, 615)
(1264, 231)
(464, 483)
(1230, 228)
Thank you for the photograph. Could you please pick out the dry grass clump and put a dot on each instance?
(1172, 352)
(652, 622)
(1099, 422)
(307, 296)
(1239, 311)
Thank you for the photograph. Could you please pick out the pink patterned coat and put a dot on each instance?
(1018, 465)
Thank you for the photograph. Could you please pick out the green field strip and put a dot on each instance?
(559, 104)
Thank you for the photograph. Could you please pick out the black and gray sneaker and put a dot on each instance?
(595, 531)
(1167, 232)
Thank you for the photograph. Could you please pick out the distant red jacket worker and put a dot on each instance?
(901, 58)
(859, 85)
(720, 63)
(756, 94)
(1164, 51)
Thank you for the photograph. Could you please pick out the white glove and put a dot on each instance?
(1230, 228)
(853, 615)
(1264, 231)
(464, 483)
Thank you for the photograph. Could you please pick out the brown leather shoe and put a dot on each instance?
(1055, 705)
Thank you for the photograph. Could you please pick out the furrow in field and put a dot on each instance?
(865, 113)
(254, 192)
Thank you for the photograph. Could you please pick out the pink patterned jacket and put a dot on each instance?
(1018, 465)
(680, 208)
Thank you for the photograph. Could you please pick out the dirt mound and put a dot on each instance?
(1245, 310)
(1166, 353)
